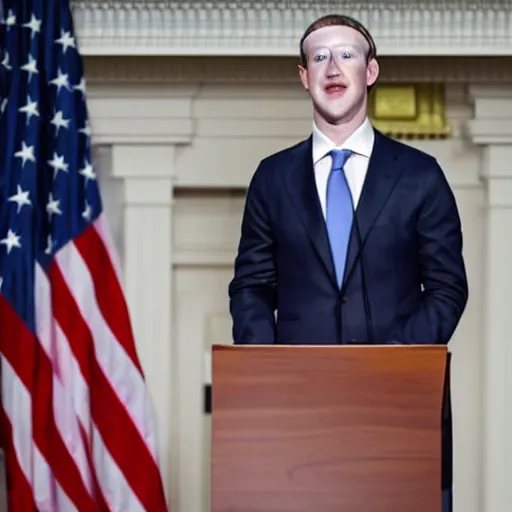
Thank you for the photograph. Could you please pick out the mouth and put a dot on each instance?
(335, 89)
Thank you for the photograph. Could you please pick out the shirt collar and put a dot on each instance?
(360, 142)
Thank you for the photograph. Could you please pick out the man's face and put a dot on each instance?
(338, 73)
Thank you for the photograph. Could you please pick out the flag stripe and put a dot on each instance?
(19, 397)
(48, 440)
(101, 226)
(18, 355)
(109, 417)
(125, 379)
(36, 403)
(68, 317)
(16, 405)
(107, 290)
(76, 331)
(17, 370)
(108, 413)
(58, 352)
(50, 495)
(113, 484)
(19, 497)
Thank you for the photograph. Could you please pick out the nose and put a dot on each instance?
(333, 69)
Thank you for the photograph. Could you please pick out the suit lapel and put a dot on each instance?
(301, 188)
(381, 177)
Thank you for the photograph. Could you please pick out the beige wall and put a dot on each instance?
(233, 126)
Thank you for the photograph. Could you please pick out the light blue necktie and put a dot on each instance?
(339, 211)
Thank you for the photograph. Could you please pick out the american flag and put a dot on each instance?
(76, 422)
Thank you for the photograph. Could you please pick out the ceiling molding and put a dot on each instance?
(273, 28)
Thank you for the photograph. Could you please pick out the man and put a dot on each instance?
(350, 236)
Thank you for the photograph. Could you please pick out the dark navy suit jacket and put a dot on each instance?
(410, 234)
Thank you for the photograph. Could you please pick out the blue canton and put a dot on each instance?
(49, 192)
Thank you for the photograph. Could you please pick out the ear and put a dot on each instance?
(372, 72)
(303, 72)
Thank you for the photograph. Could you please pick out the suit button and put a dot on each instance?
(344, 299)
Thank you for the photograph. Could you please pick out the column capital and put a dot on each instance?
(496, 162)
(151, 114)
(143, 161)
(147, 172)
(492, 121)
(496, 171)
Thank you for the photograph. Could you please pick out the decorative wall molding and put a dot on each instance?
(492, 122)
(273, 28)
(273, 70)
(136, 117)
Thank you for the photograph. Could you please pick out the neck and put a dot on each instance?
(340, 131)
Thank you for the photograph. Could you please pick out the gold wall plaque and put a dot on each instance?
(409, 111)
(395, 102)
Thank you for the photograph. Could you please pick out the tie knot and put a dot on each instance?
(339, 157)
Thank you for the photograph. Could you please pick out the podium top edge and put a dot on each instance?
(440, 348)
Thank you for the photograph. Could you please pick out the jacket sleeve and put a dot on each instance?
(443, 273)
(252, 291)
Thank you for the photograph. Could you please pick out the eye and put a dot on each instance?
(319, 58)
(346, 55)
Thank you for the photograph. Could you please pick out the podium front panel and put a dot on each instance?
(327, 429)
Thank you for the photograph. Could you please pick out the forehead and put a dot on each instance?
(335, 35)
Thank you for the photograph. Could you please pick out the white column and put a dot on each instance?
(492, 127)
(147, 173)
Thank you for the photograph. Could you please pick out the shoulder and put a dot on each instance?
(423, 165)
(274, 164)
(423, 173)
(405, 151)
(285, 156)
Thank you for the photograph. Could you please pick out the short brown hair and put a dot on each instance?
(338, 20)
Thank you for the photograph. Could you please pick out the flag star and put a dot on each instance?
(87, 213)
(30, 67)
(59, 122)
(62, 80)
(3, 105)
(11, 240)
(21, 198)
(25, 153)
(49, 245)
(34, 25)
(53, 206)
(11, 19)
(81, 86)
(66, 40)
(88, 172)
(5, 62)
(30, 109)
(86, 130)
(58, 164)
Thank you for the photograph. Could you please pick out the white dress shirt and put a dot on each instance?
(361, 145)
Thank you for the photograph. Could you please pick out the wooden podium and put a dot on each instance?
(327, 428)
